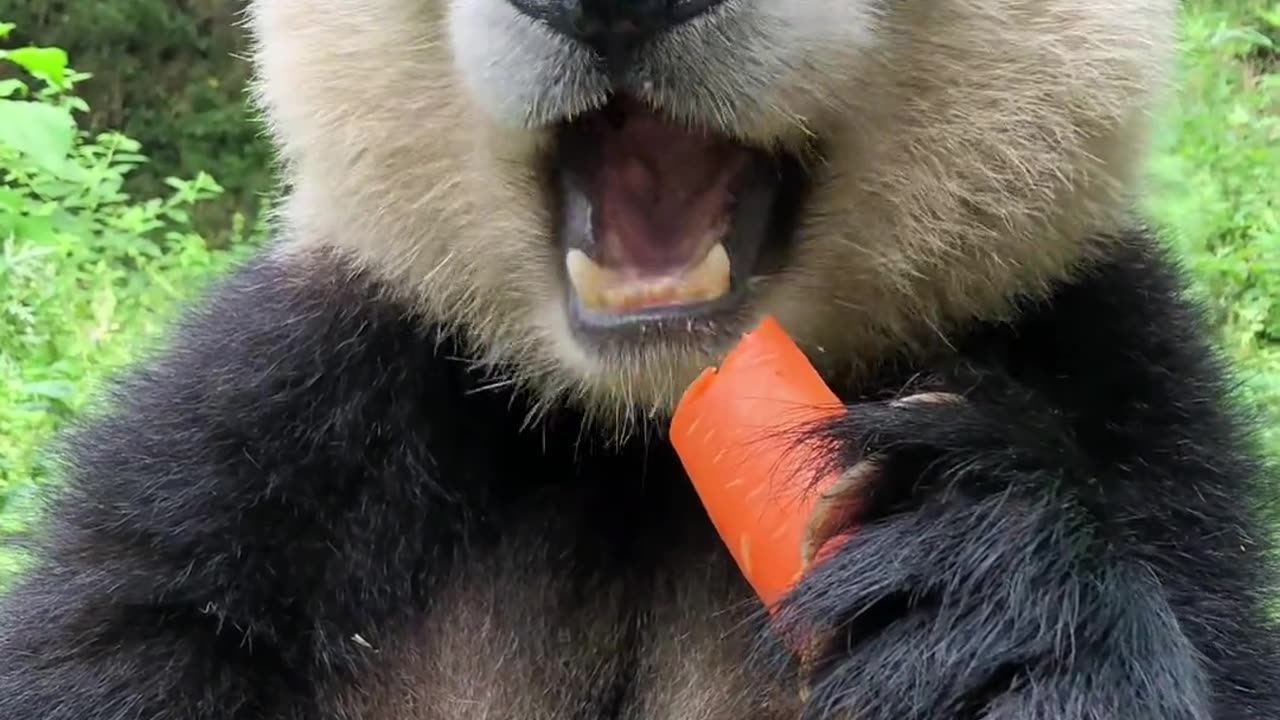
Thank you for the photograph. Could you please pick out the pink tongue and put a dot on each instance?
(663, 195)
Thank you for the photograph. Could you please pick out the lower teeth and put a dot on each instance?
(607, 290)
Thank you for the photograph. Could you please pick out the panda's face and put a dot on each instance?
(603, 194)
(673, 144)
(674, 135)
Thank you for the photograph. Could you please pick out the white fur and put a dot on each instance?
(972, 149)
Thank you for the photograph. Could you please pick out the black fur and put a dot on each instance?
(1079, 538)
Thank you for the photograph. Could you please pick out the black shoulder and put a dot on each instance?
(1170, 464)
(1126, 351)
(1136, 378)
(1069, 523)
(275, 467)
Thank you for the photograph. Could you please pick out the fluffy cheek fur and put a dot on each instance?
(967, 145)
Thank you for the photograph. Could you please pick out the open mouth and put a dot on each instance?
(659, 222)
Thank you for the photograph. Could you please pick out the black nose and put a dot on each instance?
(611, 26)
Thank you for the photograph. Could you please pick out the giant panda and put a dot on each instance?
(411, 461)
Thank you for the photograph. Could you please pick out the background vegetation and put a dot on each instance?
(169, 74)
(124, 192)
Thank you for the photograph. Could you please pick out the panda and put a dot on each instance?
(411, 462)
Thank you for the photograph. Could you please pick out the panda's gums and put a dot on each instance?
(657, 220)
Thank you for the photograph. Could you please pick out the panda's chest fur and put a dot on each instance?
(576, 610)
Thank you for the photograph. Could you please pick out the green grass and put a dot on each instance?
(1216, 184)
(89, 275)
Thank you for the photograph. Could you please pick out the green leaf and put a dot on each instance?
(11, 199)
(5, 29)
(44, 133)
(45, 62)
(51, 389)
(11, 86)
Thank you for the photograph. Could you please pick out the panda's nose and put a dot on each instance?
(613, 26)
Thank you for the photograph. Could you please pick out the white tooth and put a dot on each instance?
(710, 279)
(600, 288)
(589, 280)
(616, 298)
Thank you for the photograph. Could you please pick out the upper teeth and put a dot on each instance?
(605, 289)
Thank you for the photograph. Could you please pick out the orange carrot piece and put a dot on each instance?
(736, 432)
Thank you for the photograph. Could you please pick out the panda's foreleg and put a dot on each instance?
(264, 507)
(985, 580)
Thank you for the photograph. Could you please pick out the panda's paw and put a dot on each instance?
(982, 614)
(972, 583)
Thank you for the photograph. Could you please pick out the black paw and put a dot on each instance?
(936, 442)
(974, 583)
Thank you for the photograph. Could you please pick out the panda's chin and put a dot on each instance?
(664, 227)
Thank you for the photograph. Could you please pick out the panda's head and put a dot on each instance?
(603, 194)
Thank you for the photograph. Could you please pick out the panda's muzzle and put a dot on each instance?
(658, 220)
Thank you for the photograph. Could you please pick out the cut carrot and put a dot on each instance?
(737, 431)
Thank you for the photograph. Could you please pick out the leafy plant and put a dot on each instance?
(170, 74)
(1217, 185)
(87, 272)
